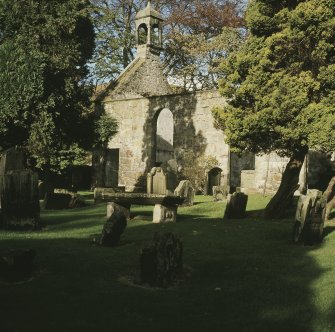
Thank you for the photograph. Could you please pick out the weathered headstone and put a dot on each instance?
(302, 214)
(113, 207)
(329, 197)
(11, 160)
(185, 190)
(19, 199)
(313, 230)
(161, 182)
(157, 181)
(220, 193)
(309, 220)
(161, 261)
(113, 229)
(236, 206)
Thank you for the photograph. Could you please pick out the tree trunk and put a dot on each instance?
(289, 184)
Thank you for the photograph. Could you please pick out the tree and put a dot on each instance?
(196, 32)
(280, 86)
(44, 99)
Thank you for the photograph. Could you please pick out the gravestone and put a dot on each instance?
(113, 228)
(11, 160)
(236, 206)
(161, 182)
(329, 197)
(186, 191)
(161, 261)
(113, 207)
(309, 220)
(156, 181)
(313, 230)
(19, 199)
(302, 214)
(220, 193)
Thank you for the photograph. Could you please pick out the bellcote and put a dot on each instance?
(149, 31)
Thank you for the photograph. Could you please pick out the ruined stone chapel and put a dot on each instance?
(156, 125)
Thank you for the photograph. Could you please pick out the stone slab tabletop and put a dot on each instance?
(141, 199)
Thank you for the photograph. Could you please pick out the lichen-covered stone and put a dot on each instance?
(236, 206)
(161, 261)
(186, 191)
(113, 228)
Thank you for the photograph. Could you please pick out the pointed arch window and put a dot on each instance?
(142, 34)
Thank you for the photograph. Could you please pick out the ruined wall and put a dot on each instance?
(193, 131)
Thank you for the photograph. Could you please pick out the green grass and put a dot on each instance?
(245, 276)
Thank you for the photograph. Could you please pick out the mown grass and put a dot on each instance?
(244, 275)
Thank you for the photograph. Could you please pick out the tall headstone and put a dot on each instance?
(19, 199)
(185, 190)
(329, 197)
(162, 260)
(309, 220)
(236, 206)
(157, 182)
(11, 160)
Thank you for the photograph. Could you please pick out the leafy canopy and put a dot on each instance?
(280, 85)
(197, 33)
(44, 48)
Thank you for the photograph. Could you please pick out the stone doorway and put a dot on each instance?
(112, 168)
(214, 179)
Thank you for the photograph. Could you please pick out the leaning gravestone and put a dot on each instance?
(236, 206)
(114, 207)
(161, 261)
(313, 230)
(309, 219)
(186, 191)
(329, 196)
(113, 229)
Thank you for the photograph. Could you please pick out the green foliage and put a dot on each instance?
(280, 84)
(194, 168)
(196, 35)
(44, 47)
(105, 127)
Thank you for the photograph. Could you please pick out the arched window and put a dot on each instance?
(155, 35)
(164, 135)
(142, 34)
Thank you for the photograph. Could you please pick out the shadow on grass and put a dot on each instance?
(246, 277)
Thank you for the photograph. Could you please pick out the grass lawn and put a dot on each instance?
(245, 276)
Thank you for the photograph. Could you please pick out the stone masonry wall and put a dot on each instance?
(193, 131)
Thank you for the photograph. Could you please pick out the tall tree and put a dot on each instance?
(44, 48)
(196, 34)
(280, 86)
